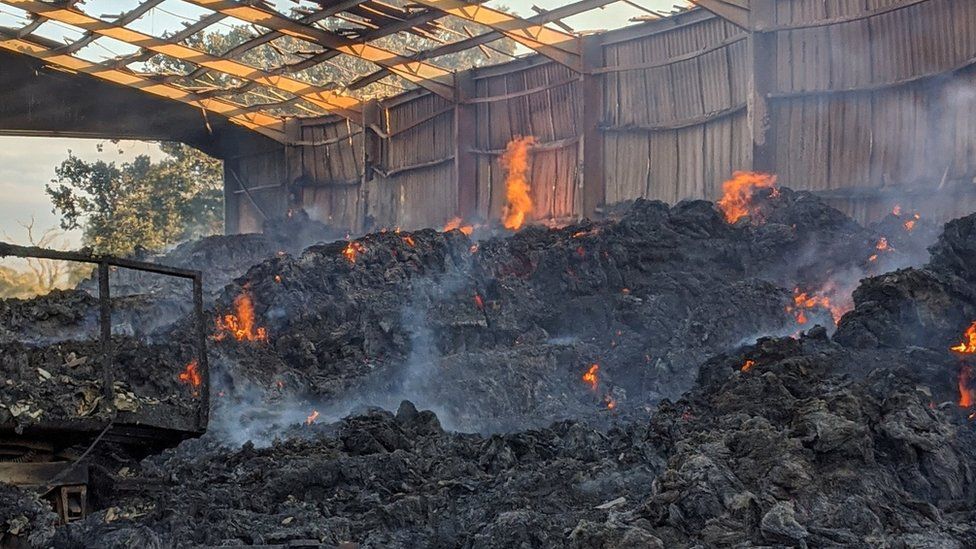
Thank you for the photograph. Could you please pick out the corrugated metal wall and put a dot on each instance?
(675, 111)
(870, 103)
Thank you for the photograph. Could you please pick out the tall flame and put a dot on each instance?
(240, 324)
(736, 201)
(516, 162)
(968, 345)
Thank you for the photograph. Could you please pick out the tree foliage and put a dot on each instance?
(141, 203)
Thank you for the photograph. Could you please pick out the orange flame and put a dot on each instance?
(803, 301)
(458, 223)
(409, 241)
(968, 345)
(478, 302)
(610, 401)
(312, 417)
(591, 378)
(882, 244)
(516, 162)
(191, 374)
(736, 201)
(747, 366)
(352, 250)
(240, 324)
(910, 224)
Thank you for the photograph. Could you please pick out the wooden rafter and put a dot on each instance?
(555, 14)
(331, 101)
(432, 77)
(269, 126)
(557, 45)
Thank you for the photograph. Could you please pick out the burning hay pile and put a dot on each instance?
(613, 372)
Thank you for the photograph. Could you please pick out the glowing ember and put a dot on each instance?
(191, 374)
(352, 250)
(882, 245)
(747, 365)
(473, 249)
(736, 201)
(910, 224)
(896, 211)
(278, 279)
(241, 324)
(967, 395)
(968, 344)
(590, 377)
(312, 417)
(478, 302)
(610, 402)
(409, 241)
(516, 162)
(458, 223)
(803, 301)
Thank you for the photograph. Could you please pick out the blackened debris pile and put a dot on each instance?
(497, 334)
(687, 433)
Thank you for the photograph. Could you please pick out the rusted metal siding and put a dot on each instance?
(327, 170)
(541, 100)
(412, 183)
(675, 111)
(876, 98)
(869, 102)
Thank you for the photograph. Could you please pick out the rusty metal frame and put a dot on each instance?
(104, 262)
(561, 47)
(262, 123)
(346, 106)
(261, 98)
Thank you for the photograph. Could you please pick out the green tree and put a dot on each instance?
(140, 203)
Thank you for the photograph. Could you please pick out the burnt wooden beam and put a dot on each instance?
(762, 75)
(591, 110)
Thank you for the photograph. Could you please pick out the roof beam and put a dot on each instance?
(559, 46)
(554, 14)
(266, 125)
(426, 75)
(331, 101)
(735, 11)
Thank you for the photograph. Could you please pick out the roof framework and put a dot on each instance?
(312, 35)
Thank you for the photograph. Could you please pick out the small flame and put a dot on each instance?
(458, 223)
(312, 417)
(882, 245)
(478, 302)
(352, 250)
(803, 301)
(591, 378)
(277, 279)
(610, 401)
(910, 224)
(516, 162)
(191, 374)
(968, 344)
(409, 241)
(747, 365)
(896, 211)
(736, 201)
(240, 324)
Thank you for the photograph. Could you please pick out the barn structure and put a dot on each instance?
(868, 103)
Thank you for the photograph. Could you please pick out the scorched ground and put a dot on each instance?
(666, 377)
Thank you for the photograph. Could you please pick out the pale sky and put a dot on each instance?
(27, 164)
